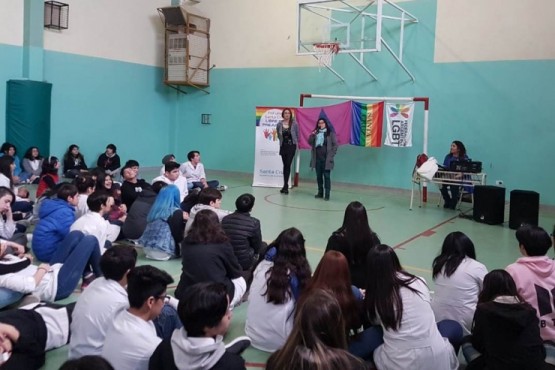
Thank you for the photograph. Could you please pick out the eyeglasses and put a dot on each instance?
(165, 297)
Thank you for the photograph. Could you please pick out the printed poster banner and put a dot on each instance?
(399, 124)
(268, 168)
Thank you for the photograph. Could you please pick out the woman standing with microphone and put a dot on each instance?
(288, 135)
(324, 148)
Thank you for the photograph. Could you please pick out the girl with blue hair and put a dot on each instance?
(165, 226)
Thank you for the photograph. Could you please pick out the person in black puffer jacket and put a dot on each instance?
(244, 233)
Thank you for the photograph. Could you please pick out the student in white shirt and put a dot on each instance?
(193, 170)
(85, 186)
(27, 333)
(101, 301)
(458, 280)
(132, 338)
(172, 176)
(93, 222)
(400, 302)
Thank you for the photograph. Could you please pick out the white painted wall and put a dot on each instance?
(493, 30)
(125, 30)
(11, 22)
(253, 33)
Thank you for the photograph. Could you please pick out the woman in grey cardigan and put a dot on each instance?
(288, 135)
(32, 165)
(324, 148)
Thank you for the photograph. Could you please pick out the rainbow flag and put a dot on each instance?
(367, 122)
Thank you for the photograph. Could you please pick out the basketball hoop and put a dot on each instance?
(324, 52)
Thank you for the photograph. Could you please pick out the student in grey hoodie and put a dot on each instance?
(208, 198)
(206, 316)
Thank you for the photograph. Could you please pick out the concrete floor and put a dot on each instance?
(417, 235)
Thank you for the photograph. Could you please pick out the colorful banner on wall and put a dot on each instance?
(268, 168)
(399, 124)
(367, 123)
(338, 117)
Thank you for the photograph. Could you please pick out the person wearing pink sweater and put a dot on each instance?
(534, 275)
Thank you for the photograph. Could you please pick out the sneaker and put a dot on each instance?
(238, 345)
(222, 188)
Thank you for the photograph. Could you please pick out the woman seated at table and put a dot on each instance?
(457, 153)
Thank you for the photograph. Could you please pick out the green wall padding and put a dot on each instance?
(28, 115)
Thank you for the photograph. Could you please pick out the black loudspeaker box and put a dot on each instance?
(489, 204)
(525, 208)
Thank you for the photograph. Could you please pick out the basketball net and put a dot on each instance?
(325, 52)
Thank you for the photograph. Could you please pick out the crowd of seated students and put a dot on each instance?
(360, 309)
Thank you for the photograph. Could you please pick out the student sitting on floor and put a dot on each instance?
(27, 333)
(278, 282)
(167, 158)
(49, 176)
(105, 298)
(318, 340)
(99, 303)
(207, 255)
(208, 198)
(534, 276)
(408, 336)
(32, 165)
(11, 265)
(93, 222)
(193, 170)
(56, 217)
(206, 316)
(132, 186)
(131, 339)
(244, 233)
(135, 222)
(165, 226)
(8, 227)
(109, 160)
(506, 332)
(57, 280)
(172, 176)
(119, 210)
(74, 162)
(458, 280)
(85, 186)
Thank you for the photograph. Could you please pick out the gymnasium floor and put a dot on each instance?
(417, 235)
